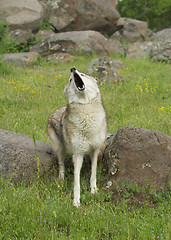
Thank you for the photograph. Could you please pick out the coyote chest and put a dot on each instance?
(87, 128)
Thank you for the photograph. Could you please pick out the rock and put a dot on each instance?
(23, 58)
(131, 30)
(21, 36)
(117, 46)
(140, 49)
(105, 69)
(139, 156)
(56, 57)
(19, 14)
(161, 51)
(158, 48)
(98, 15)
(42, 34)
(162, 35)
(18, 157)
(106, 62)
(79, 41)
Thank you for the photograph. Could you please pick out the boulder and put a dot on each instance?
(161, 51)
(19, 14)
(158, 48)
(76, 41)
(18, 156)
(106, 62)
(139, 156)
(162, 35)
(98, 15)
(139, 49)
(22, 36)
(23, 58)
(58, 57)
(42, 34)
(106, 70)
(117, 47)
(131, 30)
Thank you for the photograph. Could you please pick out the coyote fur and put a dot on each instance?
(79, 128)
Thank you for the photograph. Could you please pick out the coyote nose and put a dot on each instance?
(73, 69)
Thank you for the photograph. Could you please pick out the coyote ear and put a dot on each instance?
(79, 82)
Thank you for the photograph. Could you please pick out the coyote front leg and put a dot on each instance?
(78, 160)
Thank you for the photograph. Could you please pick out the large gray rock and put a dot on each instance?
(162, 35)
(161, 51)
(42, 34)
(19, 14)
(158, 48)
(18, 156)
(23, 58)
(78, 41)
(22, 36)
(60, 57)
(105, 69)
(139, 156)
(75, 15)
(140, 49)
(131, 30)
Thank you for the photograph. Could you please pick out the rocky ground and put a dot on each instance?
(85, 27)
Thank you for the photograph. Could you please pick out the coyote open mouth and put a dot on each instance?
(79, 82)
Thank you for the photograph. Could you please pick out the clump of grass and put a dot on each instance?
(7, 43)
(4, 68)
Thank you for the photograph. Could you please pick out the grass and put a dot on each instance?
(43, 209)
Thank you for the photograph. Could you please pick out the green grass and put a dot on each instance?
(29, 95)
(43, 209)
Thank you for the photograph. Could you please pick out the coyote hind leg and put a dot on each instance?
(58, 150)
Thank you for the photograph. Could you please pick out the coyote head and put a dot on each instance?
(81, 88)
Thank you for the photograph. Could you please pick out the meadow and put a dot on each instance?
(43, 209)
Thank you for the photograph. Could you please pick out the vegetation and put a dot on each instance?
(43, 209)
(7, 43)
(47, 25)
(156, 13)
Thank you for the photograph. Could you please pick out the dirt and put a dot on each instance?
(142, 197)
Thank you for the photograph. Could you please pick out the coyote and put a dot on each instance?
(79, 128)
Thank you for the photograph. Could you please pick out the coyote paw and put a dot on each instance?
(76, 203)
(61, 176)
(94, 190)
